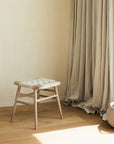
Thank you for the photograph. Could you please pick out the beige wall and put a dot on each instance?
(34, 41)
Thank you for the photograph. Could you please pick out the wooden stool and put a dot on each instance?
(37, 85)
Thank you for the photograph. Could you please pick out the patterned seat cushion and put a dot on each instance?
(41, 82)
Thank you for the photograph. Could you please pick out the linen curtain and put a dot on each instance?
(90, 70)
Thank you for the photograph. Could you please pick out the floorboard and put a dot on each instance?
(21, 131)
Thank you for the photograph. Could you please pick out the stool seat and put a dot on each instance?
(37, 85)
(41, 83)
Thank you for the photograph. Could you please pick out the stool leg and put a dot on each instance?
(14, 108)
(38, 97)
(36, 113)
(58, 101)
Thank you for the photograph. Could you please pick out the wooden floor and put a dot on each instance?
(22, 130)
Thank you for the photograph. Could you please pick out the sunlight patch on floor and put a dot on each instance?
(79, 135)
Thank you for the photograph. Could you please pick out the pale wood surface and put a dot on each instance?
(35, 107)
(15, 102)
(58, 101)
(22, 129)
(37, 99)
(26, 95)
(46, 97)
(18, 101)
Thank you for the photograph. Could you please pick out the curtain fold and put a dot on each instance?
(89, 85)
(111, 47)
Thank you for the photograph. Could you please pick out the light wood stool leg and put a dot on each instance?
(38, 97)
(58, 101)
(35, 104)
(14, 108)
